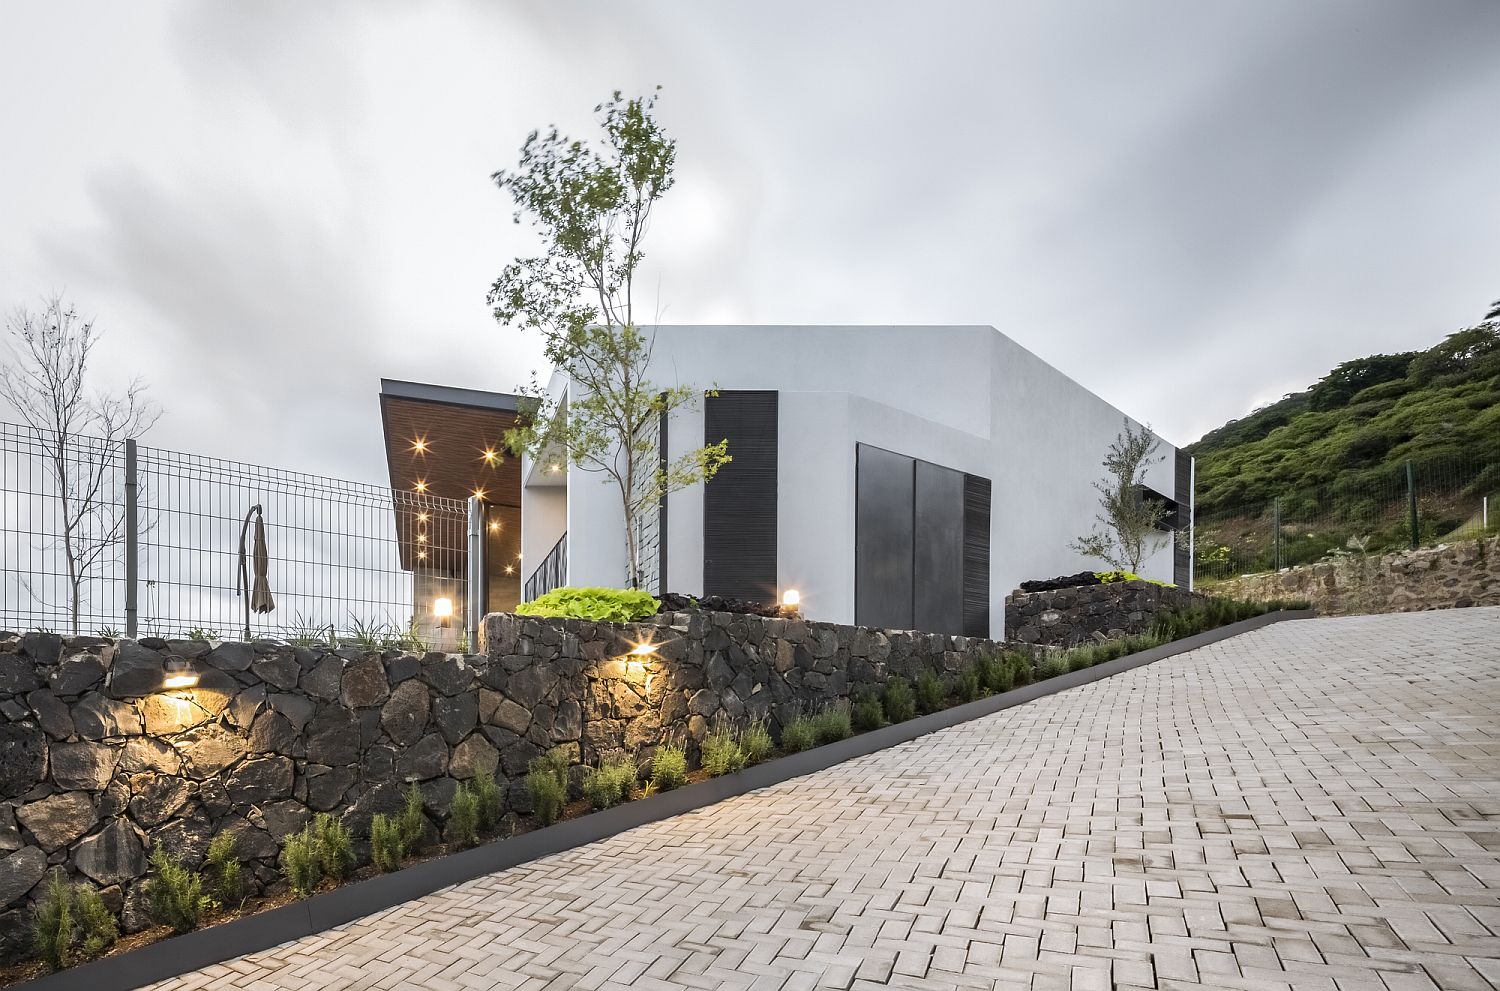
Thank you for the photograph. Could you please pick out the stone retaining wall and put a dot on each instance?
(1067, 616)
(98, 760)
(1466, 573)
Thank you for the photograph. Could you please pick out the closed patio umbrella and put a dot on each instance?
(259, 585)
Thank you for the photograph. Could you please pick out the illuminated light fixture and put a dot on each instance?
(643, 650)
(791, 599)
(479, 493)
(442, 609)
(419, 446)
(179, 673)
(495, 525)
(421, 517)
(421, 555)
(490, 455)
(421, 485)
(555, 468)
(421, 538)
(510, 569)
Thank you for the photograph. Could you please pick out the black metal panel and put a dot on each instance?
(938, 550)
(976, 556)
(739, 505)
(1182, 558)
(883, 517)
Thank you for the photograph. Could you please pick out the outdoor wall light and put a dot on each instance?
(179, 673)
(442, 608)
(421, 485)
(419, 446)
(490, 455)
(643, 650)
(555, 468)
(479, 493)
(495, 526)
(791, 599)
(421, 517)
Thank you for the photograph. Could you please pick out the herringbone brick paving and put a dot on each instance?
(1313, 805)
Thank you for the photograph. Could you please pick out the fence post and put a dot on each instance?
(1192, 522)
(1276, 525)
(132, 561)
(474, 574)
(1411, 499)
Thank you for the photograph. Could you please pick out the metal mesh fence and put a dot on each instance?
(1409, 505)
(118, 538)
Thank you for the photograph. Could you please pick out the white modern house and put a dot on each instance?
(898, 477)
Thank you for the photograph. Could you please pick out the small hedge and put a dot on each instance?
(610, 605)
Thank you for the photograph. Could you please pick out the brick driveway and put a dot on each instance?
(1314, 805)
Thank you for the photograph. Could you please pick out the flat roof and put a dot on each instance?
(448, 395)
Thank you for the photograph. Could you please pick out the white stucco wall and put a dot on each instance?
(966, 398)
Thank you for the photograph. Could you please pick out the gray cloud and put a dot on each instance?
(1188, 208)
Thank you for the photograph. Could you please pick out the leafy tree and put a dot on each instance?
(593, 208)
(1128, 525)
(45, 378)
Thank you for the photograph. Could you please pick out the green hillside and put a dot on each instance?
(1347, 438)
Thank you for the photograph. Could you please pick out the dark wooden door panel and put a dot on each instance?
(884, 497)
(739, 504)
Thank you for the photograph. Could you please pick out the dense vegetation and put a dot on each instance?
(614, 605)
(1346, 439)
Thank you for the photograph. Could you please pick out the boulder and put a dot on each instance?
(260, 780)
(207, 750)
(57, 820)
(23, 758)
(250, 842)
(96, 718)
(83, 766)
(245, 706)
(364, 683)
(17, 675)
(456, 715)
(333, 737)
(112, 855)
(19, 873)
(272, 734)
(449, 674)
(51, 713)
(510, 716)
(43, 648)
(284, 818)
(278, 670)
(232, 656)
(324, 679)
(298, 709)
(473, 755)
(327, 786)
(187, 837)
(168, 714)
(404, 715)
(158, 797)
(77, 674)
(135, 671)
(428, 759)
(145, 754)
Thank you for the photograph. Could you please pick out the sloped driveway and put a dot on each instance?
(1312, 805)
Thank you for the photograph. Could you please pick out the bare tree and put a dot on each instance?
(81, 431)
(1128, 525)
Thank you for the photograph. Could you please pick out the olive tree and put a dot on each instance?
(80, 431)
(1127, 527)
(592, 207)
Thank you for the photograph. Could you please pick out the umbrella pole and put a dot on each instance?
(243, 588)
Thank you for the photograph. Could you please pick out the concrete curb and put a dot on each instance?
(203, 947)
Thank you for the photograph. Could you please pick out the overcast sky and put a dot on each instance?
(1191, 208)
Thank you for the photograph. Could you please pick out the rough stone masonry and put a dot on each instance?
(98, 761)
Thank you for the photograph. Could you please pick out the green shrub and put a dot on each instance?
(413, 820)
(1052, 666)
(610, 783)
(335, 847)
(1020, 668)
(387, 845)
(668, 767)
(867, 714)
(899, 703)
(52, 922)
(224, 869)
(798, 735)
(463, 817)
(613, 605)
(1080, 657)
(722, 753)
(547, 785)
(300, 863)
(832, 724)
(174, 893)
(100, 930)
(755, 741)
(969, 685)
(987, 669)
(488, 799)
(932, 692)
